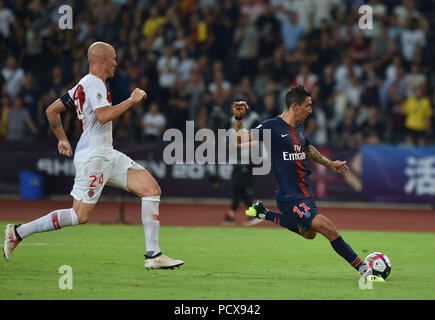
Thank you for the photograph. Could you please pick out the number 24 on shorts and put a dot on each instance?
(94, 178)
(303, 206)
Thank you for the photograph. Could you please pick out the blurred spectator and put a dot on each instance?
(396, 119)
(29, 93)
(345, 71)
(245, 89)
(219, 111)
(247, 41)
(195, 88)
(219, 82)
(57, 82)
(159, 40)
(317, 127)
(323, 11)
(167, 69)
(252, 9)
(269, 30)
(381, 50)
(399, 80)
(359, 48)
(347, 129)
(225, 17)
(19, 122)
(305, 78)
(278, 67)
(153, 22)
(153, 123)
(304, 10)
(407, 10)
(7, 19)
(326, 92)
(4, 111)
(371, 84)
(291, 31)
(199, 33)
(185, 65)
(372, 128)
(327, 50)
(126, 128)
(262, 78)
(412, 39)
(395, 33)
(13, 76)
(414, 79)
(170, 25)
(270, 109)
(418, 113)
(353, 91)
(179, 102)
(302, 54)
(391, 69)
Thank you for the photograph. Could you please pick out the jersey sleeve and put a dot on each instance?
(67, 99)
(258, 132)
(307, 141)
(97, 94)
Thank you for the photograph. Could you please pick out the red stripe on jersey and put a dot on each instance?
(276, 220)
(299, 166)
(55, 220)
(79, 98)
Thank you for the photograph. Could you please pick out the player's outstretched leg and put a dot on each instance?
(326, 228)
(55, 220)
(259, 211)
(143, 184)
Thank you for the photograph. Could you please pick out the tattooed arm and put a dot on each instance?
(315, 155)
(54, 121)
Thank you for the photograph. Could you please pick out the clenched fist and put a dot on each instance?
(137, 95)
(240, 108)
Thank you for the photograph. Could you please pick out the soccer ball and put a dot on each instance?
(379, 263)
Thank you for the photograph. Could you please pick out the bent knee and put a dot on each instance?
(150, 190)
(310, 235)
(83, 218)
(83, 211)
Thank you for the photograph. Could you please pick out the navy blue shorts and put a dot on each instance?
(302, 211)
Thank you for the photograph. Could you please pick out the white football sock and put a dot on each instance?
(151, 224)
(52, 221)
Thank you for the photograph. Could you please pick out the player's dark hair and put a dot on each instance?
(296, 94)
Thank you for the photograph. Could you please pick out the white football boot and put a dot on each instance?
(11, 241)
(162, 262)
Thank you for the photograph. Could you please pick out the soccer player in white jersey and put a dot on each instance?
(96, 162)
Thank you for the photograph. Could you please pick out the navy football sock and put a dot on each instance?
(283, 220)
(344, 250)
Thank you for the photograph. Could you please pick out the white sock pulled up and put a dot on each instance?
(52, 221)
(151, 224)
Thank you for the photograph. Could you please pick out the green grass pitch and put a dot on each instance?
(220, 263)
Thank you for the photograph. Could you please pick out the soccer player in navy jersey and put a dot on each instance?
(289, 150)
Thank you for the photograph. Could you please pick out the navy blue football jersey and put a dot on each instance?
(288, 158)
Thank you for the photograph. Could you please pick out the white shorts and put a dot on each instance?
(94, 174)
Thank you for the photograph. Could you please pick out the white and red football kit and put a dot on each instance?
(95, 161)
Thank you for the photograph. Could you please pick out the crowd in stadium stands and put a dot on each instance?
(194, 57)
